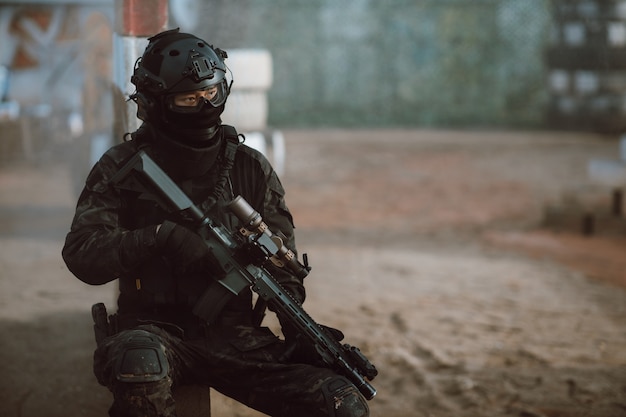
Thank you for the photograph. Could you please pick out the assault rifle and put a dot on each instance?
(242, 257)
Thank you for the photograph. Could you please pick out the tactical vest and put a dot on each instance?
(153, 290)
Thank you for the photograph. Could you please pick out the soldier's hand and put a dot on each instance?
(298, 349)
(185, 249)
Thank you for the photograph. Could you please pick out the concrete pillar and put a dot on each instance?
(135, 22)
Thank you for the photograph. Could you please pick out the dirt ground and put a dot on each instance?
(454, 260)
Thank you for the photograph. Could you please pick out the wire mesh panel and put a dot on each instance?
(397, 62)
(424, 63)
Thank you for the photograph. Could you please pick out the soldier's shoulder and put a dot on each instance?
(121, 152)
(110, 162)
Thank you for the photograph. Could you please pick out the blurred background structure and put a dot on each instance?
(379, 193)
(486, 63)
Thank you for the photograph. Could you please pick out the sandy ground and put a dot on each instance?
(453, 259)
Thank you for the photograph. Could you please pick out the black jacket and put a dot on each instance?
(104, 213)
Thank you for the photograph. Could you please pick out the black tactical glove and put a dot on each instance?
(298, 348)
(186, 250)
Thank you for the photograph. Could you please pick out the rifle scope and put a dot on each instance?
(253, 224)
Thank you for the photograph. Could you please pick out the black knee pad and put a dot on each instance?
(141, 359)
(344, 399)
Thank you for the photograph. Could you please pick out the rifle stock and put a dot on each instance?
(233, 252)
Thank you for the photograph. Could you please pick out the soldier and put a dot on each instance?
(163, 266)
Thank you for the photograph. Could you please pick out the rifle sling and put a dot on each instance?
(216, 295)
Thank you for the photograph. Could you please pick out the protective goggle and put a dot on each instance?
(193, 101)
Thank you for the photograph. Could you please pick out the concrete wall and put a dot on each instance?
(46, 47)
(58, 57)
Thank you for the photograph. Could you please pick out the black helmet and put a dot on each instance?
(175, 63)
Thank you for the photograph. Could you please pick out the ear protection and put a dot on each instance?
(145, 104)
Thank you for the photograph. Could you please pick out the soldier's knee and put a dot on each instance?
(143, 399)
(343, 399)
(141, 359)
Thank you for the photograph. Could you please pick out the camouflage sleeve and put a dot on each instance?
(91, 250)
